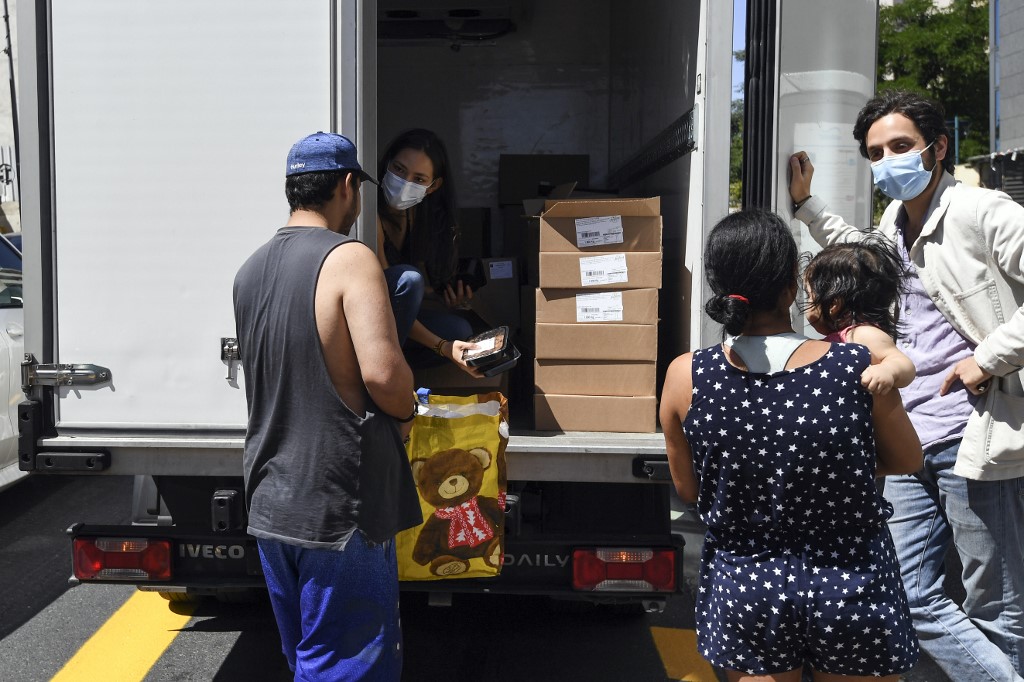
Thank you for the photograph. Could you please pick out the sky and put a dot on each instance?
(739, 27)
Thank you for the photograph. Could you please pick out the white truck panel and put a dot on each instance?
(171, 123)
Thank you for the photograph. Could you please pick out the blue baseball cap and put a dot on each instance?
(324, 152)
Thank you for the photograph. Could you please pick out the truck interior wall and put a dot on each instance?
(542, 89)
(653, 83)
(552, 88)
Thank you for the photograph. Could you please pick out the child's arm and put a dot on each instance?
(676, 397)
(889, 368)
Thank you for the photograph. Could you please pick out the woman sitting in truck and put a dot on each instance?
(417, 247)
(774, 437)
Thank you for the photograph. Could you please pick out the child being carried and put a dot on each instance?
(853, 290)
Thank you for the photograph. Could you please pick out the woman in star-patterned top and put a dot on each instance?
(798, 564)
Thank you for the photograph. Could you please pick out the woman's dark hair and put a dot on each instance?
(865, 278)
(433, 239)
(750, 254)
(311, 190)
(927, 115)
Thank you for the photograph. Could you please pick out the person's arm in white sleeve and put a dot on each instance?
(825, 227)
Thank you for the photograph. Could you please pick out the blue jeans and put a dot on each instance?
(337, 611)
(406, 287)
(985, 522)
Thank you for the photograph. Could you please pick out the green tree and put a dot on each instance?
(942, 53)
(736, 155)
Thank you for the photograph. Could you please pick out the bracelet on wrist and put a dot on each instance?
(439, 347)
(798, 204)
(415, 409)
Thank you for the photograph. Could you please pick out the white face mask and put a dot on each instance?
(402, 194)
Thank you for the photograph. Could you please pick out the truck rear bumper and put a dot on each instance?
(208, 563)
(581, 457)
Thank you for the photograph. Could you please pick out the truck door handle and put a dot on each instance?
(15, 331)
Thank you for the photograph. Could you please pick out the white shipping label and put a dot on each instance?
(598, 231)
(607, 269)
(501, 269)
(605, 306)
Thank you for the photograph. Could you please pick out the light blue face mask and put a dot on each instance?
(902, 176)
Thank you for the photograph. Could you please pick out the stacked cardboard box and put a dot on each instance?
(596, 337)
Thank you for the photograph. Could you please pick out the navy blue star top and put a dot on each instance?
(797, 563)
(789, 450)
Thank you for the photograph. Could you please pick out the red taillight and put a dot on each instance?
(122, 559)
(627, 569)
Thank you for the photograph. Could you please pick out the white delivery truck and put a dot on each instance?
(152, 144)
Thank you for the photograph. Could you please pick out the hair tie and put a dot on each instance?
(739, 298)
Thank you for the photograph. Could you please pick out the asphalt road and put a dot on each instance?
(45, 623)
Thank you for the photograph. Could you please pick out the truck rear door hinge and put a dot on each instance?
(35, 374)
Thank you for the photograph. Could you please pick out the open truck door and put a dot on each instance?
(155, 140)
(153, 143)
(810, 67)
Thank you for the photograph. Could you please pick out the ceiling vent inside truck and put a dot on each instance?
(451, 21)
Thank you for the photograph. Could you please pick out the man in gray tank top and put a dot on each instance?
(330, 398)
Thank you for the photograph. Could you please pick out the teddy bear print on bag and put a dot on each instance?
(464, 524)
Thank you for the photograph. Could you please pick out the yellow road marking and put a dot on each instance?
(130, 642)
(678, 651)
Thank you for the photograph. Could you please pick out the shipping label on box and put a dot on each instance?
(598, 231)
(632, 270)
(601, 306)
(595, 413)
(598, 271)
(596, 342)
(501, 269)
(594, 377)
(601, 233)
(629, 306)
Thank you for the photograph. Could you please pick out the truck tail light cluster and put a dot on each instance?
(628, 569)
(122, 559)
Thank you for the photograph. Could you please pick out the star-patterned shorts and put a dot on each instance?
(833, 600)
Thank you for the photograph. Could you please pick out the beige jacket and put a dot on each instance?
(970, 258)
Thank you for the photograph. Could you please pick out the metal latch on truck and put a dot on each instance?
(55, 374)
(231, 354)
(30, 416)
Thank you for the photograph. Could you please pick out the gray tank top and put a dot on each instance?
(314, 471)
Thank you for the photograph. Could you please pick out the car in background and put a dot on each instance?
(15, 239)
(10, 251)
(12, 344)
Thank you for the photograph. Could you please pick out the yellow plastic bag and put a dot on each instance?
(457, 453)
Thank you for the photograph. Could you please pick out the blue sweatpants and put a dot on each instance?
(337, 611)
